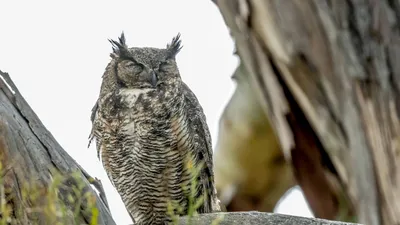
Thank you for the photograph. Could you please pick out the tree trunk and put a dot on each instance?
(34, 164)
(325, 74)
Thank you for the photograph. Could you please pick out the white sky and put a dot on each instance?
(56, 53)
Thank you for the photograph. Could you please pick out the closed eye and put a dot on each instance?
(130, 64)
(134, 66)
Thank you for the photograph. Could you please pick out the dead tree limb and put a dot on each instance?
(257, 218)
(30, 154)
(325, 73)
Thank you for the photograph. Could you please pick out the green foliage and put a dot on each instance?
(5, 209)
(63, 201)
(194, 202)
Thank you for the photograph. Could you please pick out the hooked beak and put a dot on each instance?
(153, 78)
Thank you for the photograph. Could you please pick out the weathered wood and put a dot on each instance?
(30, 155)
(325, 73)
(257, 218)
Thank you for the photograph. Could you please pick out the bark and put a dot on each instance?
(325, 74)
(31, 159)
(256, 218)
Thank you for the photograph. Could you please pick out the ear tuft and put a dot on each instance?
(175, 46)
(119, 47)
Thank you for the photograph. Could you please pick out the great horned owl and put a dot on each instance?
(146, 122)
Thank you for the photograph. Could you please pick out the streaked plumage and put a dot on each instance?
(146, 122)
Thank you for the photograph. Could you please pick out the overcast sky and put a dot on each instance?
(56, 53)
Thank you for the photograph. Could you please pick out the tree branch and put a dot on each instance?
(33, 154)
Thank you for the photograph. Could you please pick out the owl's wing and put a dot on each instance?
(92, 118)
(95, 133)
(197, 120)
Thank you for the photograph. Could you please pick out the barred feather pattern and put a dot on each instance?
(143, 138)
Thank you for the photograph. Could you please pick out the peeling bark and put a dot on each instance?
(325, 74)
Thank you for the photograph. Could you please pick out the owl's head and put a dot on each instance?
(145, 67)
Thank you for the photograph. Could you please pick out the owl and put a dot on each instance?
(147, 123)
